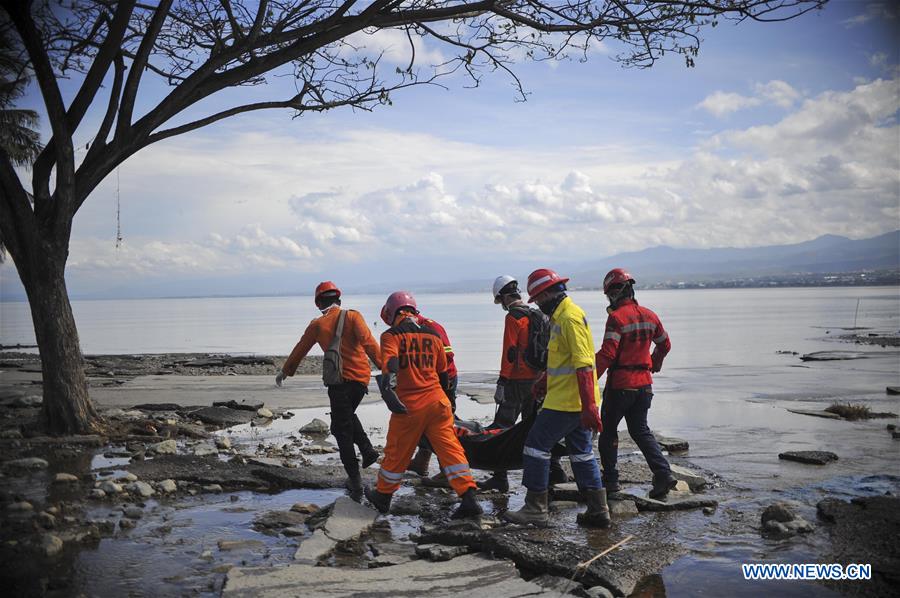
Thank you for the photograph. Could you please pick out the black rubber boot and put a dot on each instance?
(534, 512)
(469, 507)
(419, 463)
(369, 458)
(558, 475)
(499, 481)
(611, 486)
(597, 514)
(354, 487)
(662, 484)
(380, 501)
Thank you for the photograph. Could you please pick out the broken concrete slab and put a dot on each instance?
(809, 457)
(469, 573)
(222, 416)
(348, 520)
(439, 552)
(314, 548)
(675, 504)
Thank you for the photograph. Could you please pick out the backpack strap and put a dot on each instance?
(335, 344)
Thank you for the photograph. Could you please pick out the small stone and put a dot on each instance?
(293, 532)
(622, 508)
(141, 489)
(133, 512)
(64, 478)
(106, 527)
(206, 555)
(97, 493)
(166, 447)
(110, 487)
(52, 545)
(52, 510)
(223, 443)
(26, 463)
(316, 426)
(682, 486)
(167, 486)
(128, 477)
(222, 568)
(709, 510)
(11, 434)
(598, 592)
(46, 520)
(212, 488)
(264, 412)
(779, 511)
(19, 507)
(127, 523)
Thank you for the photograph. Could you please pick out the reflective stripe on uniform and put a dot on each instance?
(537, 283)
(390, 476)
(638, 326)
(536, 453)
(582, 458)
(612, 336)
(448, 349)
(660, 338)
(459, 475)
(458, 467)
(563, 371)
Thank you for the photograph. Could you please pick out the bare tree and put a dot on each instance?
(203, 48)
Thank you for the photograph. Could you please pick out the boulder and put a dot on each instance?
(673, 445)
(693, 479)
(166, 447)
(779, 520)
(223, 443)
(51, 545)
(809, 457)
(110, 487)
(264, 412)
(622, 508)
(65, 478)
(167, 486)
(276, 520)
(316, 426)
(675, 504)
(346, 521)
(142, 489)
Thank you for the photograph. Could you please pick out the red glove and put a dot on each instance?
(539, 389)
(590, 415)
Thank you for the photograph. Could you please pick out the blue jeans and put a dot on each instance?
(551, 426)
(633, 405)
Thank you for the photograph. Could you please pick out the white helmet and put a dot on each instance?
(500, 282)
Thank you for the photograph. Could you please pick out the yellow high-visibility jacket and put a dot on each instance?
(571, 347)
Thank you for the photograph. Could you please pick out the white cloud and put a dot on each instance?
(775, 92)
(874, 11)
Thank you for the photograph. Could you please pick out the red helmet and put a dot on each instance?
(616, 276)
(540, 280)
(326, 287)
(395, 302)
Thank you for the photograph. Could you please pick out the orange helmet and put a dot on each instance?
(327, 287)
(616, 276)
(540, 280)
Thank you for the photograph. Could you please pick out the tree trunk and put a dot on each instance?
(67, 405)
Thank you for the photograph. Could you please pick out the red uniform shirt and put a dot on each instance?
(626, 346)
(420, 358)
(515, 341)
(448, 348)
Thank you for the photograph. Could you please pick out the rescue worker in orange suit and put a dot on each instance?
(419, 463)
(412, 383)
(513, 394)
(357, 347)
(625, 354)
(570, 408)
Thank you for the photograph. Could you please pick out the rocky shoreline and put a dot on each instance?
(279, 516)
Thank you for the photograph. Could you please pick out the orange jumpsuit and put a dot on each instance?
(416, 354)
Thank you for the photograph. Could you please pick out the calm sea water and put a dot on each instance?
(708, 327)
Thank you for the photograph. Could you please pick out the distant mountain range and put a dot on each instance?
(826, 254)
(803, 264)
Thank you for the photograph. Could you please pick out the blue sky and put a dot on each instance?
(782, 132)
